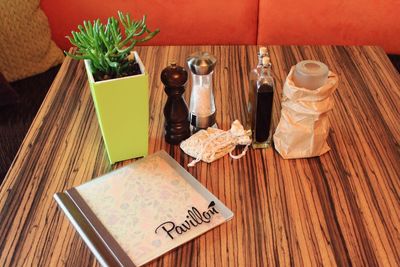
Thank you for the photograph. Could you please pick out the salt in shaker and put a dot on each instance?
(202, 106)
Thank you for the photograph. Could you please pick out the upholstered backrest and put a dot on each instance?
(344, 22)
(180, 21)
(25, 40)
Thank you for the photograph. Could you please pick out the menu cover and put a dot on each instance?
(135, 214)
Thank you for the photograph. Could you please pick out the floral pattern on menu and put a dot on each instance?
(133, 201)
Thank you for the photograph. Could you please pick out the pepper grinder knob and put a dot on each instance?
(176, 113)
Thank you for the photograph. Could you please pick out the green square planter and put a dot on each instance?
(122, 108)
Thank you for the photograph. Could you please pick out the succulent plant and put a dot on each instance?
(105, 45)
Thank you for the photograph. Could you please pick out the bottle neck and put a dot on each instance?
(260, 59)
(261, 56)
(266, 70)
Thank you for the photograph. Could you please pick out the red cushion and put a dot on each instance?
(180, 21)
(342, 22)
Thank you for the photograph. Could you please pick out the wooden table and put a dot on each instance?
(341, 208)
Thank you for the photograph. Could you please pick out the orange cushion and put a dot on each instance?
(342, 22)
(180, 21)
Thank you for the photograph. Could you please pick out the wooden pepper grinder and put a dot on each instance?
(176, 113)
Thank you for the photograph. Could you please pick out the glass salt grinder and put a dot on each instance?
(202, 106)
(262, 103)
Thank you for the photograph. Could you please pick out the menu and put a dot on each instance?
(135, 214)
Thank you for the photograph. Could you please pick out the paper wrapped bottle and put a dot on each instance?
(307, 98)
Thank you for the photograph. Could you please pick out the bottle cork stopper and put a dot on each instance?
(265, 60)
(263, 50)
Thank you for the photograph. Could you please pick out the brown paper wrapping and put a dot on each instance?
(304, 125)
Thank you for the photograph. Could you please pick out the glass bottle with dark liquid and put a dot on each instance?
(260, 106)
(254, 76)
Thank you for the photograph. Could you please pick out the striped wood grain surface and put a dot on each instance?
(342, 208)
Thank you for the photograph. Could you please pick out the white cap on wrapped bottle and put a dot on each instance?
(310, 74)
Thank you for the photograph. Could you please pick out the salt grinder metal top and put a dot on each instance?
(202, 106)
(177, 127)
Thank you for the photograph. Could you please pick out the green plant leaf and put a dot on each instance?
(105, 45)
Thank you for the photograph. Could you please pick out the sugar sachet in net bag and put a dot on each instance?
(212, 144)
(304, 125)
